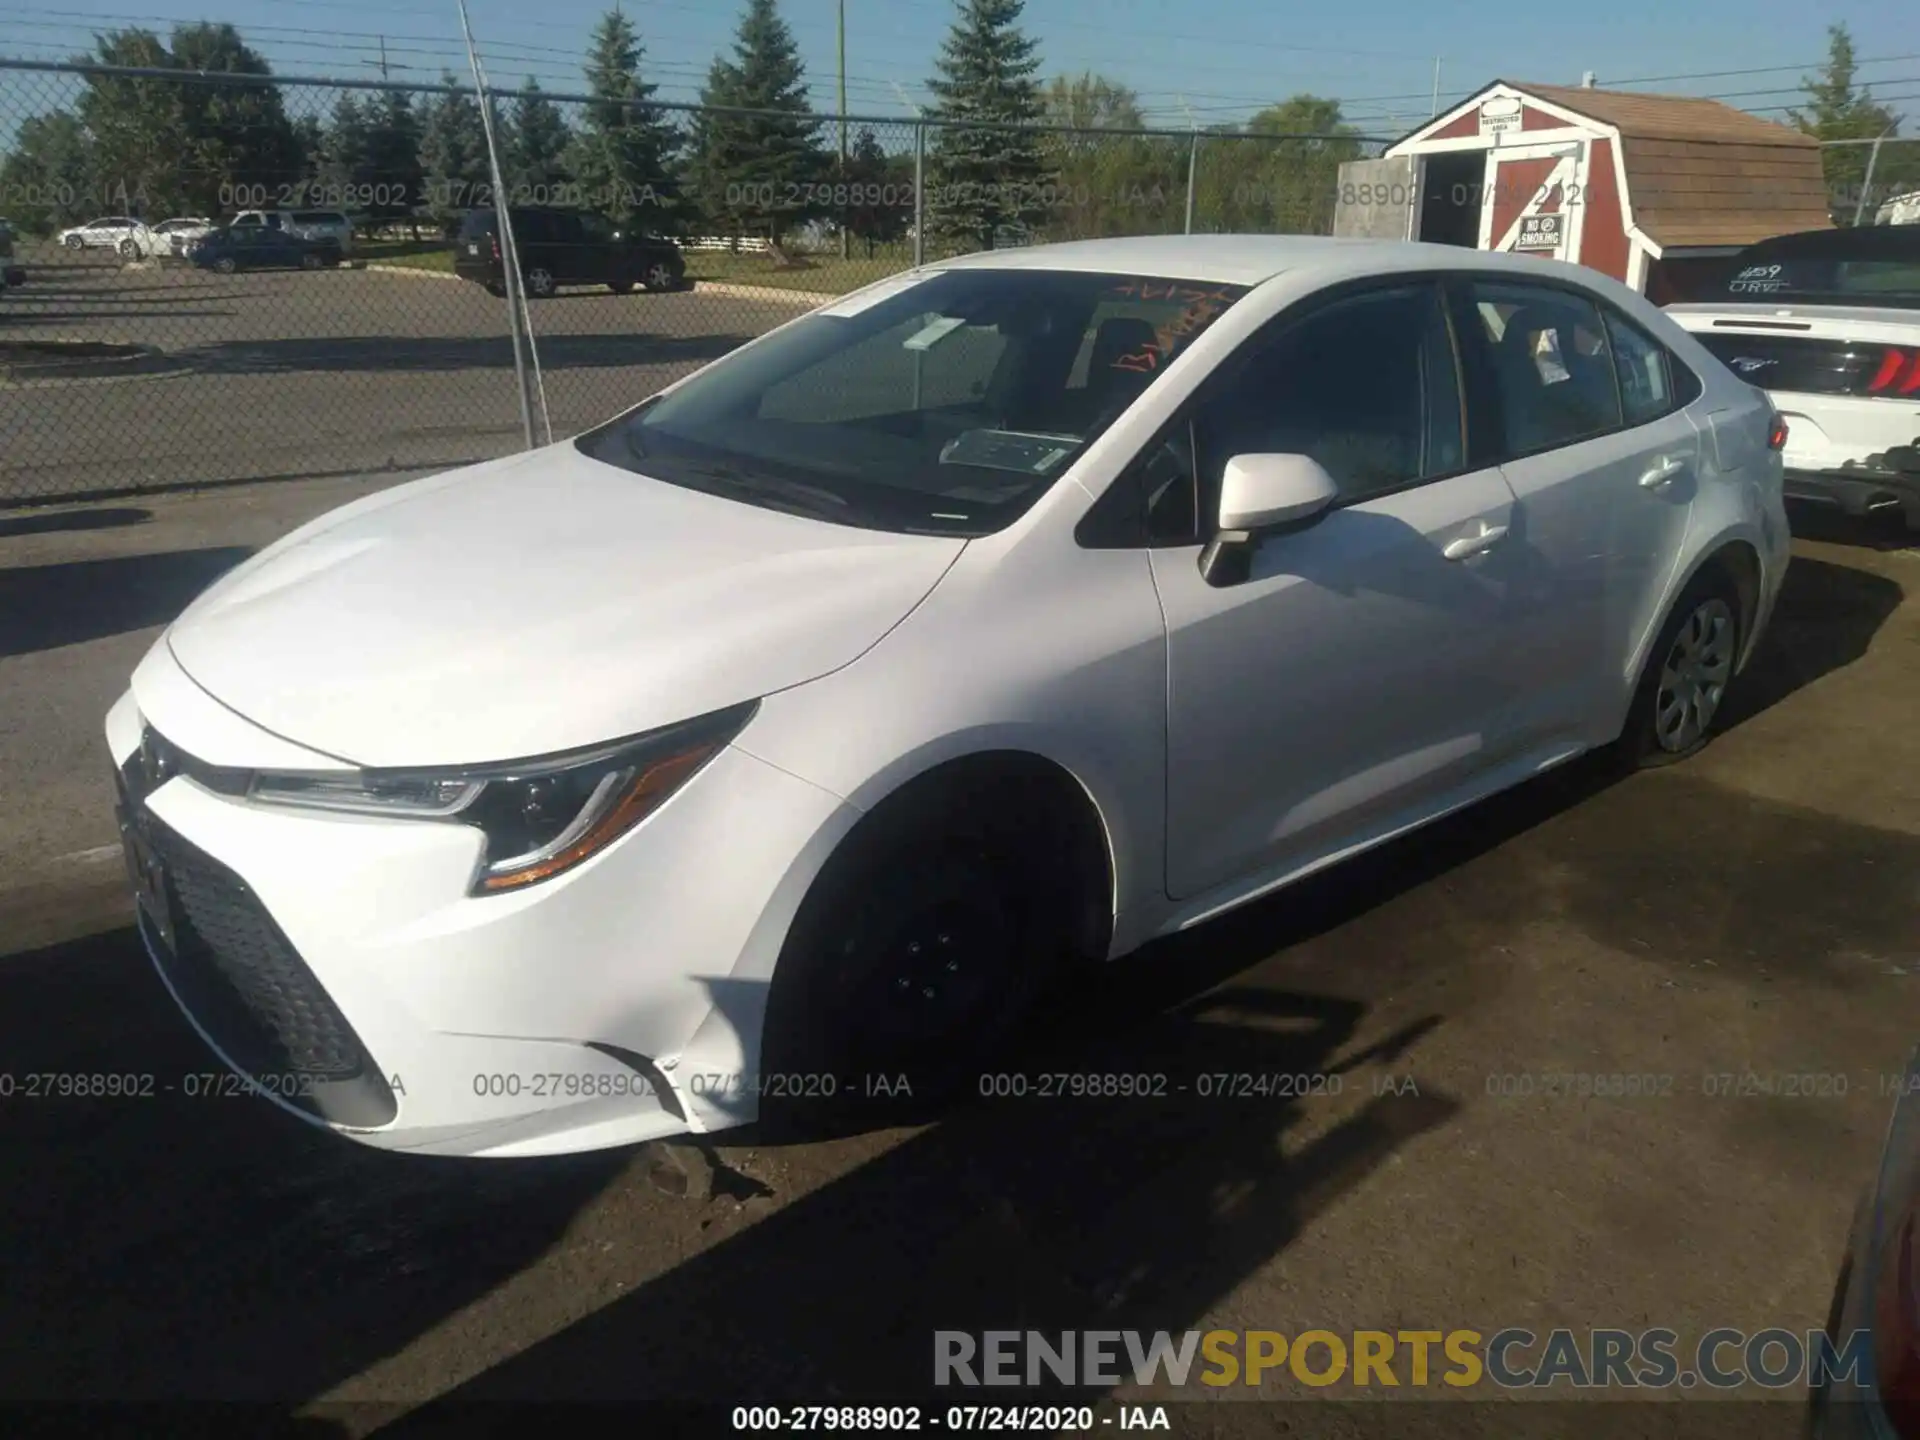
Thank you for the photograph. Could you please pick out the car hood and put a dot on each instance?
(536, 604)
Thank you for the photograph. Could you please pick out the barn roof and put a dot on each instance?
(1700, 172)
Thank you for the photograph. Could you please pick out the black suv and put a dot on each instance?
(566, 247)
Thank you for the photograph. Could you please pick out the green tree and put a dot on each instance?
(1279, 173)
(239, 141)
(343, 153)
(880, 187)
(310, 137)
(139, 142)
(536, 153)
(622, 155)
(754, 172)
(1109, 184)
(454, 164)
(1839, 109)
(986, 177)
(387, 176)
(47, 177)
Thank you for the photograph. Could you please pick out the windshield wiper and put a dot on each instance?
(811, 499)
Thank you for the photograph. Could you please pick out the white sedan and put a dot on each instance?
(783, 735)
(176, 236)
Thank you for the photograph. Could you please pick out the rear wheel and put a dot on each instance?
(661, 276)
(74, 242)
(1687, 674)
(130, 249)
(540, 282)
(310, 261)
(225, 265)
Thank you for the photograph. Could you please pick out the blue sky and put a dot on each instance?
(1216, 60)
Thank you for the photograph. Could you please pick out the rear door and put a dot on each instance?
(1604, 464)
(1358, 673)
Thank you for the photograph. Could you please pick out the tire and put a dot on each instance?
(496, 289)
(310, 261)
(660, 277)
(129, 249)
(540, 282)
(74, 242)
(225, 265)
(916, 957)
(1683, 688)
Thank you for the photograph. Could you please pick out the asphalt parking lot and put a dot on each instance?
(275, 373)
(1750, 911)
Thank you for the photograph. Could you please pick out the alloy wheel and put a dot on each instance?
(659, 276)
(1694, 675)
(540, 280)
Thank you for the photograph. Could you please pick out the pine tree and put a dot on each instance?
(621, 157)
(453, 155)
(881, 189)
(758, 172)
(1838, 110)
(387, 179)
(536, 154)
(987, 180)
(343, 154)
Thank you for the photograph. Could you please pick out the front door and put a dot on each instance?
(1534, 200)
(1355, 675)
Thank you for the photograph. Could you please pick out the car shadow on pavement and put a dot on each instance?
(46, 606)
(400, 353)
(184, 1241)
(97, 517)
(1825, 618)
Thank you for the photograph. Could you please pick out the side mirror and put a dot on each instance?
(1258, 492)
(1261, 492)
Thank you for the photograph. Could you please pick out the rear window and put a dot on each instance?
(1869, 282)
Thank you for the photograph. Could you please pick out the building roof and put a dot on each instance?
(1667, 117)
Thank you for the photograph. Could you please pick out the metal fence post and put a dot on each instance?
(1193, 165)
(919, 192)
(1866, 185)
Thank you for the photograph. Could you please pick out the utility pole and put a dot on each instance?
(1436, 88)
(844, 251)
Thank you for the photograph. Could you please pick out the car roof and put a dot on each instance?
(1858, 242)
(1251, 259)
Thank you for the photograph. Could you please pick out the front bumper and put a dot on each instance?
(339, 963)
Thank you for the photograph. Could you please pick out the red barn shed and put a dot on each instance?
(1651, 189)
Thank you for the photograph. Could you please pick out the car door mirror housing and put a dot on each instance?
(1260, 492)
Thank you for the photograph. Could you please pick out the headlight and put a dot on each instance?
(540, 817)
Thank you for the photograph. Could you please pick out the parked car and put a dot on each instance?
(258, 248)
(794, 726)
(566, 247)
(1878, 1294)
(173, 238)
(108, 233)
(329, 226)
(1828, 321)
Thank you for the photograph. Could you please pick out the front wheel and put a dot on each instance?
(73, 242)
(913, 961)
(130, 249)
(540, 282)
(660, 276)
(310, 262)
(225, 265)
(1687, 674)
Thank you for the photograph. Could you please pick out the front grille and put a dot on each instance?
(1803, 364)
(237, 974)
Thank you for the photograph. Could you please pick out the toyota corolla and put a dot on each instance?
(793, 727)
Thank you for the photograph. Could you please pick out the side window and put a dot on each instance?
(1646, 381)
(1551, 365)
(1365, 385)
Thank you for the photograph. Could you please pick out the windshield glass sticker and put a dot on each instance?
(931, 335)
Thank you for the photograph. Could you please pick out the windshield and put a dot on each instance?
(933, 403)
(1889, 281)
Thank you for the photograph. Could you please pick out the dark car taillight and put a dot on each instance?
(494, 241)
(1898, 374)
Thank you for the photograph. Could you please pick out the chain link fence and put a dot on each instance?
(236, 277)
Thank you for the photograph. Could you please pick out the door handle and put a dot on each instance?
(1468, 545)
(1665, 470)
